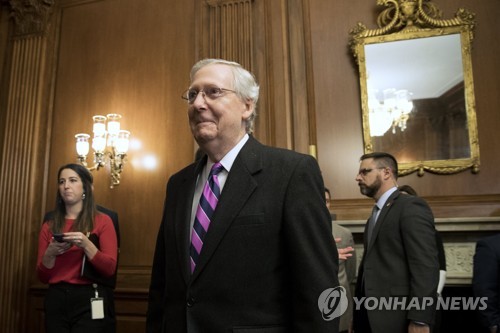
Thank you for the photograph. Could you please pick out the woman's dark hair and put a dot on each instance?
(408, 190)
(85, 220)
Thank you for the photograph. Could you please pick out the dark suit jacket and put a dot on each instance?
(400, 261)
(267, 257)
(486, 278)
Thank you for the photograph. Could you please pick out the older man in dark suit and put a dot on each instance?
(400, 255)
(261, 254)
(486, 280)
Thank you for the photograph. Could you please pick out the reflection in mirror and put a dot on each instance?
(403, 102)
(417, 90)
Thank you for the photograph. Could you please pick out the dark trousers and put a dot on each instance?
(361, 323)
(360, 320)
(67, 309)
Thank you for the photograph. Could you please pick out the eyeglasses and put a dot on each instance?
(365, 171)
(208, 92)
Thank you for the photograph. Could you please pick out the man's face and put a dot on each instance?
(369, 177)
(219, 120)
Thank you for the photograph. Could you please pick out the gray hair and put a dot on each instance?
(244, 84)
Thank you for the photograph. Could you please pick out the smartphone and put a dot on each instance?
(58, 238)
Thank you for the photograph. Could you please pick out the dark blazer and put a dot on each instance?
(267, 257)
(486, 278)
(400, 261)
(114, 217)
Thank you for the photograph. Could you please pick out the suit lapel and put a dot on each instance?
(381, 218)
(365, 235)
(238, 188)
(183, 225)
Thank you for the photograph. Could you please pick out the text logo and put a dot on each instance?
(332, 303)
(414, 303)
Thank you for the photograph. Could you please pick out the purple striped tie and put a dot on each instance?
(204, 212)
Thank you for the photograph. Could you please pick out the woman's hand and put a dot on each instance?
(82, 241)
(53, 250)
(77, 239)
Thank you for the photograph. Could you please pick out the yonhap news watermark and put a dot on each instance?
(333, 303)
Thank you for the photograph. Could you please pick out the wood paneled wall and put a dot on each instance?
(133, 57)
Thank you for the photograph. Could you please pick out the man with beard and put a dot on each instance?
(399, 262)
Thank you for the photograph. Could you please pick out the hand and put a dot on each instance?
(76, 238)
(345, 252)
(414, 328)
(55, 248)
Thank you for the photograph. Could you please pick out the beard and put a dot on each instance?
(370, 190)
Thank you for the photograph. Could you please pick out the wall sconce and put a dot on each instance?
(110, 146)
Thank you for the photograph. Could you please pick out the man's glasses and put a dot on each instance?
(365, 171)
(207, 92)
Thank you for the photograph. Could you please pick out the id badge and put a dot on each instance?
(97, 307)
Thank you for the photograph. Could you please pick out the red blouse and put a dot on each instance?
(68, 265)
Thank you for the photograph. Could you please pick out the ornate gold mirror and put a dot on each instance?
(417, 93)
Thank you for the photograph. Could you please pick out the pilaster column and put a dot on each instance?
(23, 152)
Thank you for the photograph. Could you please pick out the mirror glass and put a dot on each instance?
(417, 97)
(422, 81)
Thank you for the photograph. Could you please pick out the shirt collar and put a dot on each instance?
(381, 201)
(228, 160)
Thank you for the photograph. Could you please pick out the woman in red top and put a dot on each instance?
(74, 303)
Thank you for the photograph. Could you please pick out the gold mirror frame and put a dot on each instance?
(405, 20)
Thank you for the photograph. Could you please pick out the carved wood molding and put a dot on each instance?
(31, 17)
(22, 173)
(228, 32)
